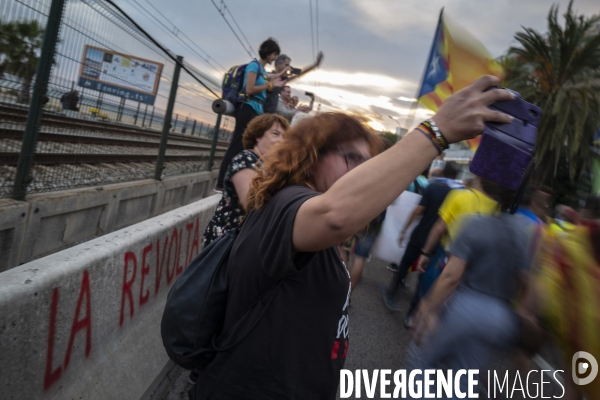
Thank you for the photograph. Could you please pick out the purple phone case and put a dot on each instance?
(506, 150)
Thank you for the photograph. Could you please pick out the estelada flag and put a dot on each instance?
(456, 60)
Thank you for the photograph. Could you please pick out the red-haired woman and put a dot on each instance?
(313, 191)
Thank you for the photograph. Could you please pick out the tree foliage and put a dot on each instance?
(20, 45)
(559, 71)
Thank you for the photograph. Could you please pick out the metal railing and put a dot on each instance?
(83, 99)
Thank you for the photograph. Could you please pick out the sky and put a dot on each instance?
(375, 50)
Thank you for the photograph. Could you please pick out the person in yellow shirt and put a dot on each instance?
(457, 204)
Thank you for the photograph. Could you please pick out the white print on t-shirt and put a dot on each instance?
(347, 303)
(343, 322)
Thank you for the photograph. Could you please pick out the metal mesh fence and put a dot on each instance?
(105, 104)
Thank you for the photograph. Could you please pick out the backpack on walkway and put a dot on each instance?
(234, 86)
(192, 322)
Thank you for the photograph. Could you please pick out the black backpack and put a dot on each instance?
(192, 322)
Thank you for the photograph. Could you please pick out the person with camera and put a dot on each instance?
(322, 184)
(286, 107)
(282, 66)
(256, 85)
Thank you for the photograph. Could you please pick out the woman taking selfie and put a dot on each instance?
(318, 187)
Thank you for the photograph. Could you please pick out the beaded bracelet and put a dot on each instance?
(435, 131)
(430, 137)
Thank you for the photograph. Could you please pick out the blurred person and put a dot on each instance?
(260, 136)
(533, 206)
(436, 173)
(467, 315)
(287, 107)
(433, 198)
(256, 85)
(70, 100)
(564, 293)
(282, 65)
(468, 182)
(315, 189)
(361, 249)
(456, 205)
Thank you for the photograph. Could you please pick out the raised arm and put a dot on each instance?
(363, 193)
(433, 239)
(309, 68)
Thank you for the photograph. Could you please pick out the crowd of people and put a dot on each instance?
(302, 197)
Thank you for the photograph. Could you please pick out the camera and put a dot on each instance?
(294, 71)
(309, 94)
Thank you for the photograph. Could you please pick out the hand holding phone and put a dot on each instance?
(505, 151)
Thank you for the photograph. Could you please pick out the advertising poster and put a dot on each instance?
(122, 75)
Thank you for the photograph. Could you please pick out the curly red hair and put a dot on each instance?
(292, 161)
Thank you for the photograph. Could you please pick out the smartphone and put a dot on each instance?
(295, 71)
(308, 94)
(506, 151)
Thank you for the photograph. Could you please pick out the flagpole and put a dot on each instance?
(410, 117)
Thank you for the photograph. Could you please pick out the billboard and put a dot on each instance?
(122, 75)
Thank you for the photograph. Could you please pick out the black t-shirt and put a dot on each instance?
(272, 100)
(433, 197)
(299, 345)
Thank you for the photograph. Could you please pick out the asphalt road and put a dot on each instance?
(378, 340)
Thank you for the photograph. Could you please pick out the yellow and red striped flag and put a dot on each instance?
(456, 59)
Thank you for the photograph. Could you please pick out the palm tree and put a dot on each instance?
(20, 46)
(559, 71)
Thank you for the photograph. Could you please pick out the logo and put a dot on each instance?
(581, 368)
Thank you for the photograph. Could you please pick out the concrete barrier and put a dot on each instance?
(50, 222)
(84, 323)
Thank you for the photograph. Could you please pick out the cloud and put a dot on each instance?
(372, 81)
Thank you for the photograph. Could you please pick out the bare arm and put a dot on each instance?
(349, 204)
(250, 85)
(241, 182)
(433, 239)
(306, 70)
(444, 285)
(435, 235)
(275, 76)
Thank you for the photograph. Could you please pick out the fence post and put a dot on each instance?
(136, 114)
(145, 112)
(200, 130)
(213, 147)
(167, 122)
(151, 118)
(193, 128)
(30, 135)
(120, 111)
